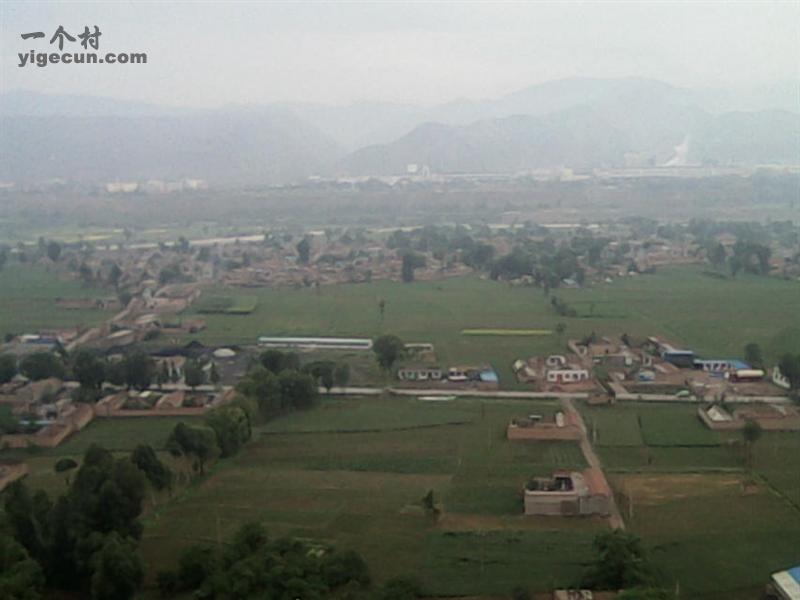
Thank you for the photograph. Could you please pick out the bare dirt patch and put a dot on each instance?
(658, 489)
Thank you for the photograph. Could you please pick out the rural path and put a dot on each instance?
(376, 391)
(615, 519)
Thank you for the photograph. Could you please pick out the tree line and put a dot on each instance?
(252, 565)
(85, 541)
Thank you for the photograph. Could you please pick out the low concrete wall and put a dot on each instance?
(52, 435)
(654, 398)
(11, 472)
(189, 411)
(732, 425)
(494, 394)
(757, 399)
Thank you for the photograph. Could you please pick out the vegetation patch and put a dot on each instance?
(504, 332)
(614, 427)
(370, 415)
(670, 428)
(228, 305)
(492, 562)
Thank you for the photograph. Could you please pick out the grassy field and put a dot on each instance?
(353, 472)
(364, 489)
(680, 303)
(355, 415)
(696, 506)
(120, 436)
(777, 459)
(712, 534)
(658, 437)
(27, 300)
(688, 492)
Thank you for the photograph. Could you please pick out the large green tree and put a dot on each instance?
(198, 444)
(118, 570)
(66, 538)
(388, 349)
(341, 375)
(89, 370)
(21, 577)
(276, 361)
(53, 250)
(262, 385)
(157, 473)
(193, 374)
(620, 562)
(8, 367)
(253, 566)
(298, 390)
(753, 355)
(138, 369)
(751, 433)
(411, 262)
(303, 251)
(41, 365)
(231, 424)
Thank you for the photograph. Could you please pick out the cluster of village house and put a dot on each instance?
(49, 414)
(480, 377)
(650, 369)
(252, 262)
(587, 492)
(418, 370)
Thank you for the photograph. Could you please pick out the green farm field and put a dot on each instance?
(689, 493)
(306, 476)
(682, 304)
(658, 437)
(120, 436)
(353, 471)
(27, 300)
(363, 490)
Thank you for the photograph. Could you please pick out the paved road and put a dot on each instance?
(615, 519)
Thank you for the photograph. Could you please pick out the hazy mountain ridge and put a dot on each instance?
(632, 121)
(370, 123)
(248, 146)
(577, 122)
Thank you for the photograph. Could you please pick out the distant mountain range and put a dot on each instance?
(259, 145)
(579, 123)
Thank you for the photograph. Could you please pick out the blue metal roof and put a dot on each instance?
(795, 573)
(488, 376)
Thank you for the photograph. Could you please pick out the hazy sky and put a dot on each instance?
(211, 53)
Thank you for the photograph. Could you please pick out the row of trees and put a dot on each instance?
(277, 383)
(750, 257)
(251, 565)
(545, 263)
(274, 384)
(90, 369)
(86, 540)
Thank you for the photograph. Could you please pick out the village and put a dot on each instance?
(158, 302)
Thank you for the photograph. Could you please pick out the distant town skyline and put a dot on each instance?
(211, 54)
